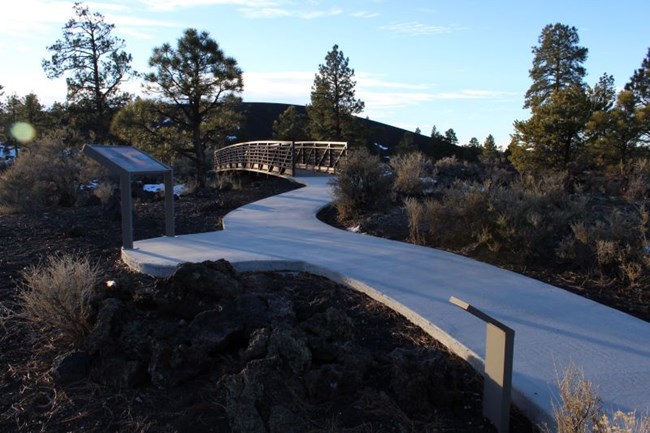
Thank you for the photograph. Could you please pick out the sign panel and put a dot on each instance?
(128, 161)
(127, 158)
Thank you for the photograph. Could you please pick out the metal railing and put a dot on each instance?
(321, 156)
(281, 158)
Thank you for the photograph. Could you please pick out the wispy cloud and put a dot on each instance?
(364, 14)
(34, 18)
(268, 13)
(137, 23)
(367, 80)
(319, 13)
(171, 5)
(290, 87)
(254, 9)
(473, 94)
(271, 12)
(418, 29)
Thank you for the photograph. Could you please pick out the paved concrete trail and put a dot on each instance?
(554, 328)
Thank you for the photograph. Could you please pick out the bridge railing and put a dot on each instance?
(263, 156)
(281, 158)
(321, 156)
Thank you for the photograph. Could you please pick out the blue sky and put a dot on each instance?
(459, 64)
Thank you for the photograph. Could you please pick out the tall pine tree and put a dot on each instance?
(558, 98)
(95, 64)
(199, 87)
(333, 102)
(557, 63)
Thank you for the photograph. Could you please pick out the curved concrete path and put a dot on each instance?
(554, 328)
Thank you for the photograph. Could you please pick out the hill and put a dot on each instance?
(382, 138)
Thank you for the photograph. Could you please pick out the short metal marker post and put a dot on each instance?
(499, 347)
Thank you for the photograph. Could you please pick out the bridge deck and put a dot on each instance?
(554, 328)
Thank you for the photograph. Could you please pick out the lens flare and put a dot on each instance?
(23, 132)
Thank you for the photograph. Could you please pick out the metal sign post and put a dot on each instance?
(499, 347)
(128, 161)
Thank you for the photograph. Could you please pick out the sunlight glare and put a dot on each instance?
(23, 132)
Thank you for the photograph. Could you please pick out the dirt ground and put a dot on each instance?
(267, 352)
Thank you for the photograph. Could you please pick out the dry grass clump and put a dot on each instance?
(56, 300)
(636, 186)
(409, 170)
(105, 191)
(361, 185)
(580, 410)
(226, 181)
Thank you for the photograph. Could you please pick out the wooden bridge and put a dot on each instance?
(281, 158)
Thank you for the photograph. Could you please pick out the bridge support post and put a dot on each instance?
(293, 158)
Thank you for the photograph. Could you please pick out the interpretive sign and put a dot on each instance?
(128, 161)
(499, 348)
(126, 158)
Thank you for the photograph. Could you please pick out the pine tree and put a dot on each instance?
(617, 132)
(450, 137)
(557, 64)
(639, 83)
(290, 125)
(473, 142)
(199, 88)
(559, 99)
(142, 124)
(552, 137)
(435, 134)
(333, 102)
(95, 64)
(489, 152)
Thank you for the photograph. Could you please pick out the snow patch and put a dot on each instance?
(428, 185)
(179, 189)
(7, 153)
(90, 186)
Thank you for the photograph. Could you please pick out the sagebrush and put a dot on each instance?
(520, 223)
(361, 185)
(48, 173)
(409, 170)
(57, 297)
(580, 410)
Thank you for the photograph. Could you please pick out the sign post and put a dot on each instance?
(499, 347)
(127, 161)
